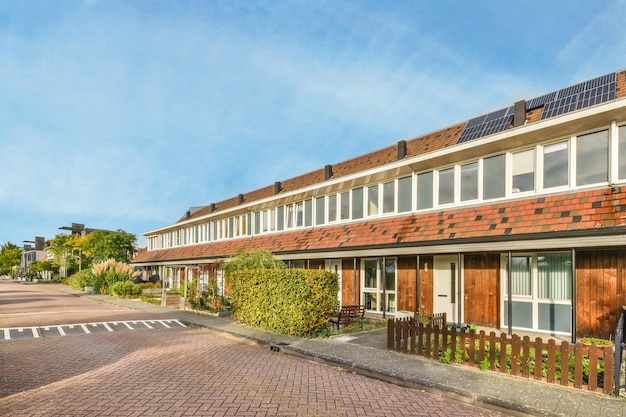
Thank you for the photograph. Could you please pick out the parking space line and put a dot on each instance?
(37, 332)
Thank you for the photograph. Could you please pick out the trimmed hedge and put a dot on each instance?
(297, 302)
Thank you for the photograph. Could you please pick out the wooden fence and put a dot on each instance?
(584, 367)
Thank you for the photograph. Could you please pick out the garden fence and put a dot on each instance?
(578, 366)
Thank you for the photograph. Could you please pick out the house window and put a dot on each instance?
(231, 227)
(273, 219)
(345, 205)
(320, 210)
(389, 197)
(257, 222)
(280, 218)
(446, 186)
(357, 203)
(592, 158)
(556, 165)
(493, 177)
(524, 171)
(425, 190)
(308, 213)
(541, 292)
(379, 284)
(332, 208)
(264, 221)
(299, 214)
(372, 200)
(405, 194)
(469, 181)
(289, 216)
(622, 153)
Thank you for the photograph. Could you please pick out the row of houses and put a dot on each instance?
(513, 220)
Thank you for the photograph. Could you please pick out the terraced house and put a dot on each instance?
(515, 219)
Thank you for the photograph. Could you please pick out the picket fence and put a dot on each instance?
(584, 367)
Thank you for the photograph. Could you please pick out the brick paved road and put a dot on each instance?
(191, 371)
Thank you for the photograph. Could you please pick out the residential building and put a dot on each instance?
(513, 220)
(30, 254)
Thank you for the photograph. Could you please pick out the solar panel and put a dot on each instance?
(540, 101)
(487, 124)
(576, 97)
(582, 95)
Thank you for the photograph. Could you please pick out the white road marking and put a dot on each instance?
(38, 331)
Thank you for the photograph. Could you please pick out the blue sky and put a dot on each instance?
(123, 114)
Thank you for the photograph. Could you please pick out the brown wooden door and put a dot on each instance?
(481, 274)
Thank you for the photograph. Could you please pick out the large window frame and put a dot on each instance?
(542, 291)
(379, 284)
(566, 163)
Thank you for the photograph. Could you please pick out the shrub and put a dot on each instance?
(291, 301)
(125, 289)
(82, 279)
(109, 272)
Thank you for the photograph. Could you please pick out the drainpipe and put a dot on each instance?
(573, 266)
(384, 278)
(509, 283)
(354, 289)
(458, 291)
(418, 288)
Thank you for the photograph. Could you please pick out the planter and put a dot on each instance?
(218, 314)
(600, 347)
(404, 314)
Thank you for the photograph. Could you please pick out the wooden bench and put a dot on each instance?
(347, 315)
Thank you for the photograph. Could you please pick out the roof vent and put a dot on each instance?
(401, 149)
(519, 115)
(277, 187)
(212, 207)
(240, 199)
(328, 172)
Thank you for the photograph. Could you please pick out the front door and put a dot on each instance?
(446, 286)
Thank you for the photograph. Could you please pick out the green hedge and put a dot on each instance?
(125, 289)
(292, 301)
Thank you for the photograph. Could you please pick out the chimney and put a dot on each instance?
(277, 187)
(213, 207)
(401, 149)
(39, 242)
(240, 199)
(519, 117)
(188, 215)
(328, 172)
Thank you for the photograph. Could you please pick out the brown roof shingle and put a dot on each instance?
(599, 209)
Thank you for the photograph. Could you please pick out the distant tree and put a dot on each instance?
(101, 245)
(10, 256)
(67, 251)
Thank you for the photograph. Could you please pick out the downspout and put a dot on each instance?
(573, 266)
(458, 284)
(384, 278)
(354, 283)
(418, 288)
(509, 282)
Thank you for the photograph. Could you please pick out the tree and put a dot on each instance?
(105, 244)
(258, 259)
(10, 256)
(100, 245)
(67, 251)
